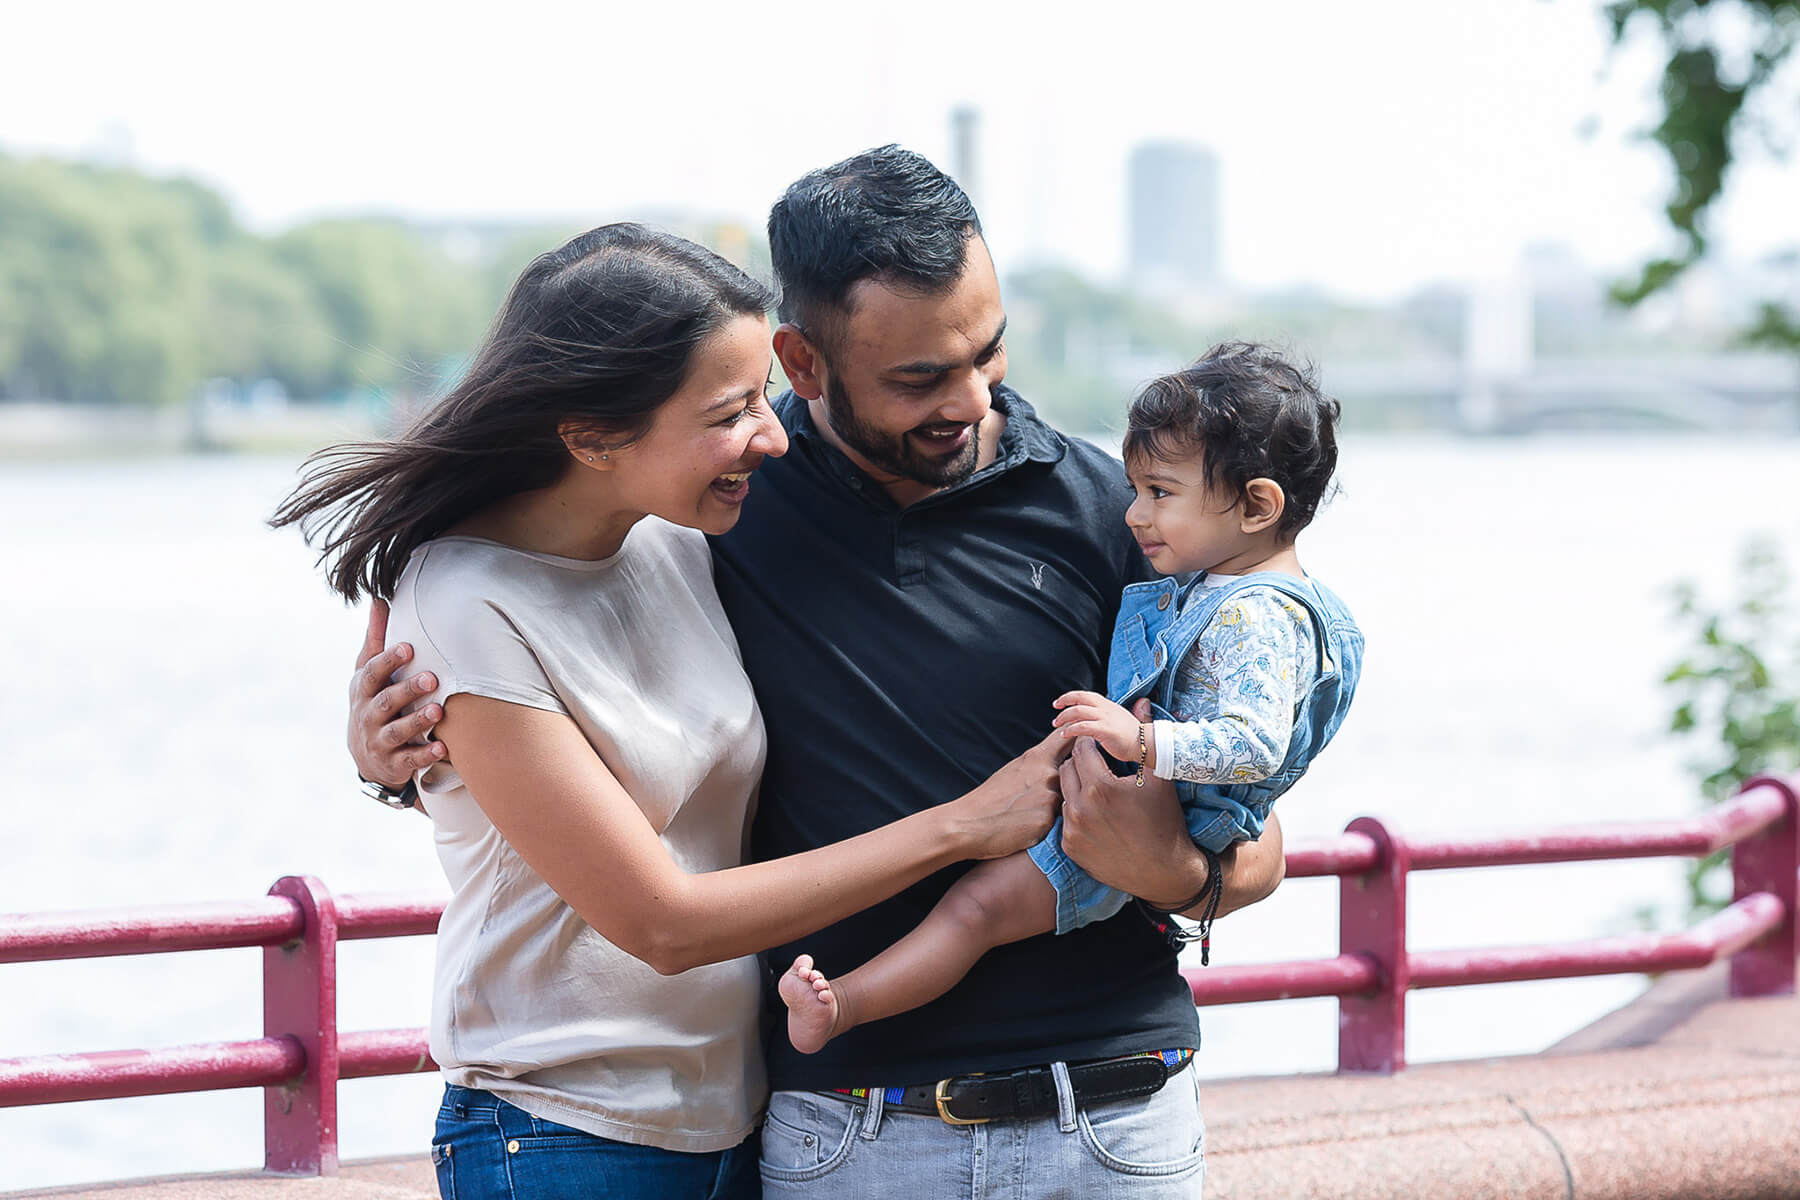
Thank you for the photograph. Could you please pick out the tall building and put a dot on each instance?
(1174, 214)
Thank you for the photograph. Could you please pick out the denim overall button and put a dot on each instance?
(1157, 657)
(1162, 602)
(512, 1147)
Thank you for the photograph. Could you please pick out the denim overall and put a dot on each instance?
(1155, 630)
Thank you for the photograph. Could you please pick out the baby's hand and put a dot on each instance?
(1089, 714)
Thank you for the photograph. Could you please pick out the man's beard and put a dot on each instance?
(894, 454)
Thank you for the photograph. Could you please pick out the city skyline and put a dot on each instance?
(1367, 153)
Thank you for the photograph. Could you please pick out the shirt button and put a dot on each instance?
(1162, 602)
(856, 483)
(512, 1147)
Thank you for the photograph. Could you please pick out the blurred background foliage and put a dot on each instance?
(1736, 688)
(1722, 95)
(120, 288)
(1736, 692)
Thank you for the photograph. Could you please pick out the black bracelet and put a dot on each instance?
(1212, 892)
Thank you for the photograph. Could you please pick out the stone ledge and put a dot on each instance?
(407, 1178)
(1683, 1094)
(1710, 1107)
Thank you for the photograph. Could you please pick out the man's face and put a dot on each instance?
(910, 375)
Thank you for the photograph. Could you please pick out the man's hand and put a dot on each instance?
(1089, 714)
(1136, 840)
(1125, 836)
(380, 738)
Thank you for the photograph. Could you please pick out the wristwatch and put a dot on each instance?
(403, 797)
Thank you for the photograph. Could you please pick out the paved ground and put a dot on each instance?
(1683, 1094)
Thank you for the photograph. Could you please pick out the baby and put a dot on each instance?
(1243, 663)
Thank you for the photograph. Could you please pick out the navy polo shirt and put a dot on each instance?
(900, 657)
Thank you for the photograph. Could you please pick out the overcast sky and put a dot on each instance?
(1365, 147)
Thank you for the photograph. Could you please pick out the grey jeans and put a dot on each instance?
(816, 1144)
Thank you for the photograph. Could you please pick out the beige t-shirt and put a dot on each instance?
(529, 1002)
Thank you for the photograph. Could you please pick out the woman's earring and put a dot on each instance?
(590, 458)
(603, 458)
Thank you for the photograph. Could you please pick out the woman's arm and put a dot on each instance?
(1134, 839)
(539, 781)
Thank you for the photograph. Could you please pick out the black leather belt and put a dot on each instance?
(1031, 1091)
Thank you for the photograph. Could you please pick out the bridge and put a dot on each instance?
(1719, 393)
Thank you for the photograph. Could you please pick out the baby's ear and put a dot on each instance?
(1263, 504)
(1141, 709)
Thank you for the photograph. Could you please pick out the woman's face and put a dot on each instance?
(692, 466)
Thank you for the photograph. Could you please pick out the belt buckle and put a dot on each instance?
(944, 1112)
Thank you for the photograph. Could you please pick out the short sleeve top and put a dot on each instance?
(529, 1002)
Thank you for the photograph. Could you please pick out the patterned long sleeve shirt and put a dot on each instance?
(1237, 690)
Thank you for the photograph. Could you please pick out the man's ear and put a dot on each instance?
(587, 446)
(1264, 502)
(800, 361)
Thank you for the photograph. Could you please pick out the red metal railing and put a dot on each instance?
(302, 1055)
(1373, 969)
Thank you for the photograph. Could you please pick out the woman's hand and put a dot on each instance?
(1016, 806)
(1089, 714)
(383, 742)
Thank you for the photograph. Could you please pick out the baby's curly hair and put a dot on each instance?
(1247, 413)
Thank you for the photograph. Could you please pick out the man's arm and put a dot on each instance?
(1134, 839)
(388, 751)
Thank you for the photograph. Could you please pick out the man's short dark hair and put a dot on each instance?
(884, 213)
(1247, 413)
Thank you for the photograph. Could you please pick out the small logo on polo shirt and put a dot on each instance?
(1037, 575)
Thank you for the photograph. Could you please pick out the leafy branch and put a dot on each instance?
(1737, 693)
(1721, 56)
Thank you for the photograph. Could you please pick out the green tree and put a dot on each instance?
(119, 288)
(1737, 693)
(1069, 339)
(395, 306)
(99, 271)
(1722, 82)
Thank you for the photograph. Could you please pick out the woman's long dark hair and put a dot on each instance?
(597, 334)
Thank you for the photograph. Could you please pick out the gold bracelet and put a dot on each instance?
(1143, 754)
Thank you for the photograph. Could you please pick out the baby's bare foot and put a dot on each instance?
(812, 1008)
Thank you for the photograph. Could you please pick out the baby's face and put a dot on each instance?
(1182, 523)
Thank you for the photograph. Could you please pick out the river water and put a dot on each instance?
(171, 728)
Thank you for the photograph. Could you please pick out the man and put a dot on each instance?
(927, 568)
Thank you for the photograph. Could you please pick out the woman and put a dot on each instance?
(539, 535)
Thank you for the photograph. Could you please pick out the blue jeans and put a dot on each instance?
(819, 1145)
(487, 1149)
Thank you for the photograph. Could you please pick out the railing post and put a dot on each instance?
(300, 1002)
(1372, 923)
(1769, 862)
